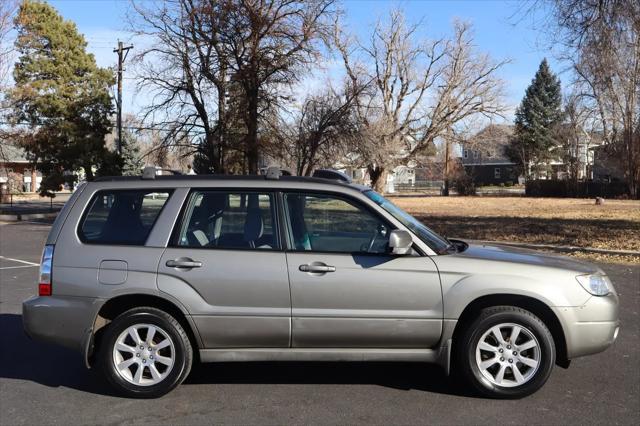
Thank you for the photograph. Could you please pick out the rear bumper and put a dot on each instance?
(592, 327)
(62, 320)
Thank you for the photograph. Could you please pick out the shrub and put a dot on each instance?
(464, 185)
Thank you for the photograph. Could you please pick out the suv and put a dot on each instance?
(144, 275)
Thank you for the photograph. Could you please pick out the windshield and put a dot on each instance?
(437, 243)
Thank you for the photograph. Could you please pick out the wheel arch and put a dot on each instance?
(122, 303)
(531, 304)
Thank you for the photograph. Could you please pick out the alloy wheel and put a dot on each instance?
(144, 354)
(508, 355)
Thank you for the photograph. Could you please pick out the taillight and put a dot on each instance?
(44, 285)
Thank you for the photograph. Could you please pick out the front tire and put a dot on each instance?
(145, 353)
(507, 352)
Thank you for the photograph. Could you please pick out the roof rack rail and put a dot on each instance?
(332, 174)
(150, 172)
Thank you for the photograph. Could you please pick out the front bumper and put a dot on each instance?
(592, 327)
(62, 320)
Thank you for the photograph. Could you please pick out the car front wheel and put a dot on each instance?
(145, 353)
(507, 352)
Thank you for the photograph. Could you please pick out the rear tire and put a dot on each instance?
(506, 352)
(145, 353)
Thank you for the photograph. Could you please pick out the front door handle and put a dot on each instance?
(313, 267)
(183, 262)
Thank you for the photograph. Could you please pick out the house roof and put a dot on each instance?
(12, 154)
(487, 147)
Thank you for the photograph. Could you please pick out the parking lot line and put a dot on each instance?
(17, 267)
(19, 261)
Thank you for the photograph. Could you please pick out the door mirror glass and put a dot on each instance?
(400, 242)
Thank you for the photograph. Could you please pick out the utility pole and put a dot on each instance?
(122, 56)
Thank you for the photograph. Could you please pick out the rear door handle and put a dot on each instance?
(183, 263)
(317, 268)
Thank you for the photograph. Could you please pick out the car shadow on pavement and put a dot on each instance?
(396, 375)
(24, 359)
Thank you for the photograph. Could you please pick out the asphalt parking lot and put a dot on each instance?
(44, 384)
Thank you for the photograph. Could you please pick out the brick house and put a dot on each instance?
(16, 171)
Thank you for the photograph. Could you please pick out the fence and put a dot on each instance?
(563, 188)
(430, 186)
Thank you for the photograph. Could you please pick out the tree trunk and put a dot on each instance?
(378, 176)
(252, 134)
(88, 172)
(34, 179)
(445, 190)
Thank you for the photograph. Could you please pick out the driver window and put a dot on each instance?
(326, 223)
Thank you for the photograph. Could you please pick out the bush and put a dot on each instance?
(464, 185)
(508, 183)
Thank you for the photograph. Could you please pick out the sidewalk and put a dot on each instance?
(34, 204)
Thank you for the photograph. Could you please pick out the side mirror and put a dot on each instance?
(400, 241)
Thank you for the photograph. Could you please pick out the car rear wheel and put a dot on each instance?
(145, 353)
(507, 352)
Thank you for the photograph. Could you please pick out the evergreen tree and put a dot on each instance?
(62, 94)
(536, 122)
(132, 162)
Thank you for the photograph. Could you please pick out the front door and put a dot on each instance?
(347, 291)
(226, 249)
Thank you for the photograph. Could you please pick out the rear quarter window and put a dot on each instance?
(121, 217)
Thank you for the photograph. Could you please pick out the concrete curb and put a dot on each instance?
(27, 216)
(567, 249)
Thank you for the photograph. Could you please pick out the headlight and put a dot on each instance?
(596, 284)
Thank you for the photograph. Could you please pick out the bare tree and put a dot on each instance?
(7, 10)
(185, 72)
(322, 130)
(271, 42)
(421, 89)
(575, 136)
(219, 68)
(601, 41)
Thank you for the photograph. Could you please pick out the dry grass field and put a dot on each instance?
(573, 222)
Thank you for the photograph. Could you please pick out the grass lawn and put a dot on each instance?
(560, 221)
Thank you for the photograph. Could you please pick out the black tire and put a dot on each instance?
(488, 318)
(182, 352)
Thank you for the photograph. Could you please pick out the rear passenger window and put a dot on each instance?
(122, 217)
(222, 219)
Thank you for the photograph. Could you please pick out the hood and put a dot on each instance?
(500, 253)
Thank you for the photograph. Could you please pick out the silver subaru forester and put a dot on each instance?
(145, 274)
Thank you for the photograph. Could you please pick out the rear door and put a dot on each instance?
(226, 249)
(346, 289)
(102, 250)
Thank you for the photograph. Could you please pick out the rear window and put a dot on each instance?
(123, 217)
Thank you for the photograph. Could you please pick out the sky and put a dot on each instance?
(498, 29)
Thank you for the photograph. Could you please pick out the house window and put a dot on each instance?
(496, 173)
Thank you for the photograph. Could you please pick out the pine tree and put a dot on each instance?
(536, 122)
(61, 94)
